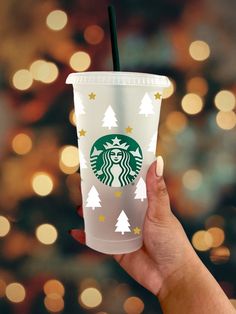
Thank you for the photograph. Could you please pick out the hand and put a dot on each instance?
(166, 248)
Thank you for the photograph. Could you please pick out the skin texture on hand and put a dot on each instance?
(167, 264)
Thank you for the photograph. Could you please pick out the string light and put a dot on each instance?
(2, 287)
(176, 121)
(42, 183)
(68, 170)
(225, 100)
(69, 156)
(54, 303)
(88, 282)
(197, 85)
(72, 117)
(202, 240)
(80, 61)
(133, 305)
(199, 50)
(4, 226)
(214, 221)
(192, 103)
(46, 234)
(46, 72)
(220, 255)
(21, 144)
(169, 91)
(93, 34)
(22, 79)
(218, 236)
(233, 302)
(56, 20)
(226, 120)
(192, 179)
(15, 292)
(54, 286)
(90, 297)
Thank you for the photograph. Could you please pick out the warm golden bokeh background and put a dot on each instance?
(42, 269)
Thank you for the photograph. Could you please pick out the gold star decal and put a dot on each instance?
(157, 95)
(92, 96)
(137, 230)
(101, 218)
(128, 129)
(82, 132)
(118, 194)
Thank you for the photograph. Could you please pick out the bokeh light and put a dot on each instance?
(15, 292)
(56, 20)
(133, 305)
(69, 156)
(93, 34)
(43, 71)
(88, 282)
(72, 117)
(202, 240)
(54, 286)
(4, 226)
(226, 120)
(2, 287)
(192, 179)
(68, 170)
(42, 183)
(176, 121)
(22, 79)
(90, 297)
(197, 85)
(46, 234)
(225, 100)
(220, 255)
(192, 103)
(218, 236)
(21, 144)
(54, 303)
(214, 221)
(233, 302)
(199, 50)
(169, 91)
(80, 61)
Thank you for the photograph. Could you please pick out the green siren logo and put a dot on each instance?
(116, 159)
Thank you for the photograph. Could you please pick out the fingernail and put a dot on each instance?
(159, 166)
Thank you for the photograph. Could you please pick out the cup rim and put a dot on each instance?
(117, 78)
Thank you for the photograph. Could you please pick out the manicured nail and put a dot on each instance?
(159, 166)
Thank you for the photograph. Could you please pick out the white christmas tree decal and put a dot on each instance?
(146, 106)
(79, 107)
(152, 145)
(122, 223)
(109, 119)
(140, 192)
(93, 199)
(82, 161)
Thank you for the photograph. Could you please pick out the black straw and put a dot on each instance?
(113, 33)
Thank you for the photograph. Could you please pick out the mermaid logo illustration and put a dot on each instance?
(116, 159)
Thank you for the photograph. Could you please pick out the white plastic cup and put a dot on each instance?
(117, 116)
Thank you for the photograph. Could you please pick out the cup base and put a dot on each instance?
(114, 247)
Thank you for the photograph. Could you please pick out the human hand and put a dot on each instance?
(166, 248)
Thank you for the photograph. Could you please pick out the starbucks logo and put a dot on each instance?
(116, 159)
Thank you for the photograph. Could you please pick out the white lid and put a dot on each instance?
(118, 78)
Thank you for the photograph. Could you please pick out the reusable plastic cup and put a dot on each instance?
(117, 117)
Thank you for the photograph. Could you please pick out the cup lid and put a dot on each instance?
(118, 78)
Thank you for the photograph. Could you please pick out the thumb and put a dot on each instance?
(158, 198)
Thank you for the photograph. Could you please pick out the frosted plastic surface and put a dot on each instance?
(117, 116)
